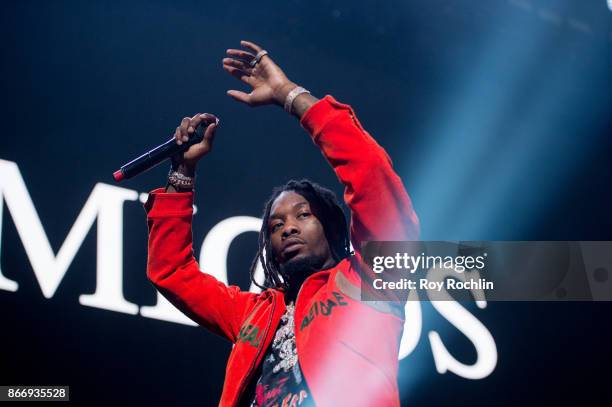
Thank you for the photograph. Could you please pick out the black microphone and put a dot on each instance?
(160, 153)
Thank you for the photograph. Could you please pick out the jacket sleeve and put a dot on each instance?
(380, 206)
(381, 209)
(172, 268)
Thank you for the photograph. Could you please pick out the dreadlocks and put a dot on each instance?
(330, 215)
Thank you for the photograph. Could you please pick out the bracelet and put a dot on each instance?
(179, 180)
(297, 91)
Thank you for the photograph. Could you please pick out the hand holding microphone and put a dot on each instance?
(188, 129)
(186, 147)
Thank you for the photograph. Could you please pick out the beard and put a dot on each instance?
(297, 270)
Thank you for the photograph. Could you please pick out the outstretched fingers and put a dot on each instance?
(238, 73)
(237, 63)
(240, 54)
(240, 96)
(251, 46)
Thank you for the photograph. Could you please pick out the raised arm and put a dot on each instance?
(380, 206)
(171, 266)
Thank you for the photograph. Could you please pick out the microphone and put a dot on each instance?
(155, 156)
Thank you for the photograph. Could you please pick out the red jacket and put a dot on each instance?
(347, 349)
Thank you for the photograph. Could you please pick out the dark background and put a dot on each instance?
(495, 113)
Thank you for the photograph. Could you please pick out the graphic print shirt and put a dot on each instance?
(281, 383)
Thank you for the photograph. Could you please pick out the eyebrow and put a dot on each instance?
(295, 206)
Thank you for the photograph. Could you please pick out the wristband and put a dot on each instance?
(297, 91)
(180, 181)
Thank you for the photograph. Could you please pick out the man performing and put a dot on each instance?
(307, 338)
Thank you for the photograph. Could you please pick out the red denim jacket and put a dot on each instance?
(347, 349)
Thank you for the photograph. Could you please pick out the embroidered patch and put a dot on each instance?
(250, 333)
(323, 308)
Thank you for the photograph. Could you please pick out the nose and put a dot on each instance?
(290, 229)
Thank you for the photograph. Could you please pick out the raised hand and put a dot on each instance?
(268, 83)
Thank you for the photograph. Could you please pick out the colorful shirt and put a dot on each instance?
(281, 383)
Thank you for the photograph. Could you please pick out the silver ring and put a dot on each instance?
(258, 57)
